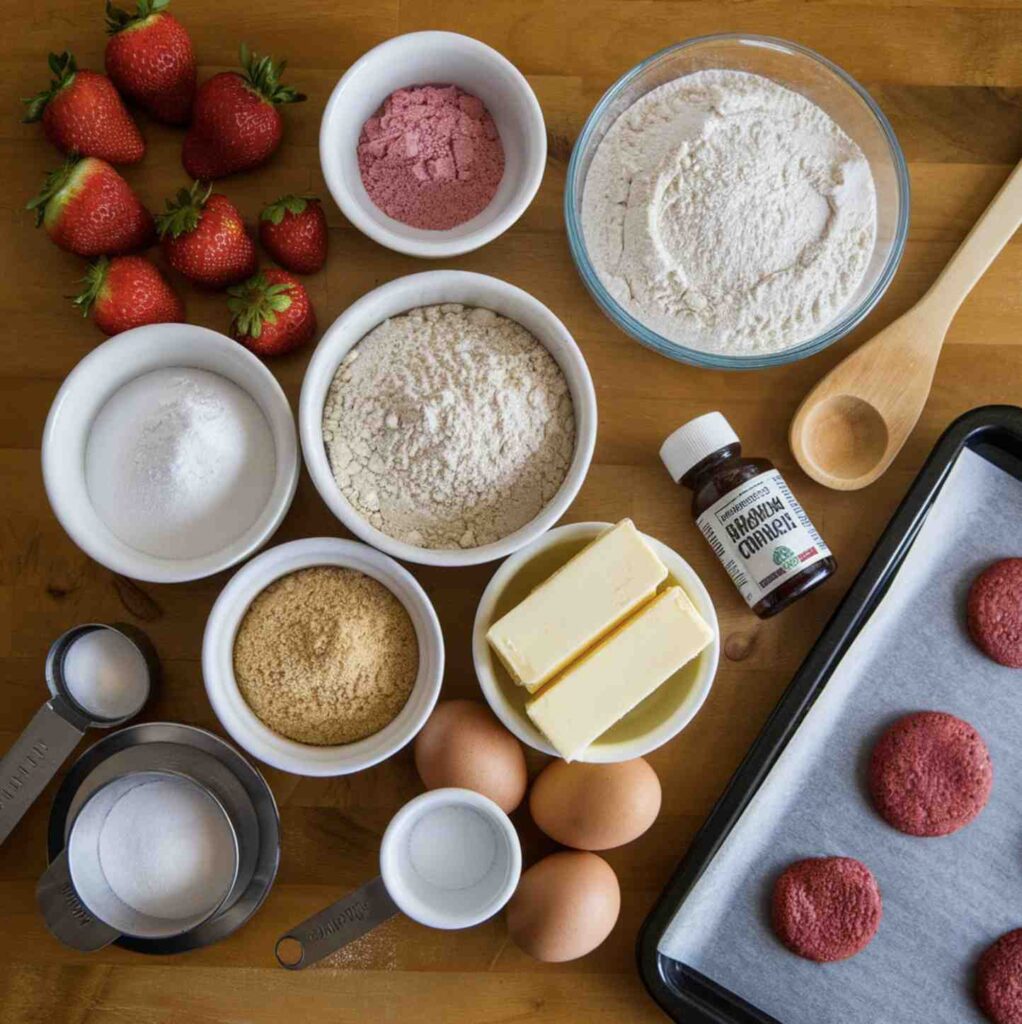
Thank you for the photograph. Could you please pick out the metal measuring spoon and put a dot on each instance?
(400, 887)
(58, 725)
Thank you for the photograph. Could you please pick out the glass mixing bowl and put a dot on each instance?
(814, 77)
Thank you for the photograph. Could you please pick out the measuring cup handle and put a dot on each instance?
(340, 923)
(33, 760)
(65, 914)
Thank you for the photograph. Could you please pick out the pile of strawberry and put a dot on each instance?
(234, 125)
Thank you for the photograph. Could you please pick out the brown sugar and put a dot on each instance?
(326, 655)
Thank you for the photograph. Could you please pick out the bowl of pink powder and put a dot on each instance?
(433, 144)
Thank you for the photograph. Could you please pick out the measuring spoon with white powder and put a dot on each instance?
(99, 676)
(449, 859)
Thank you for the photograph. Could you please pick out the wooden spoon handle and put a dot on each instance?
(989, 235)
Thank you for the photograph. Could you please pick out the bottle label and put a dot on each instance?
(761, 535)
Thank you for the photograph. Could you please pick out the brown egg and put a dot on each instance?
(464, 745)
(564, 907)
(595, 806)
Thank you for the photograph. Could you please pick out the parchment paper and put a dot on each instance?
(945, 899)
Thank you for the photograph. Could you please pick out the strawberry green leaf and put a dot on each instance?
(94, 280)
(64, 68)
(294, 204)
(117, 20)
(53, 185)
(257, 302)
(184, 211)
(262, 75)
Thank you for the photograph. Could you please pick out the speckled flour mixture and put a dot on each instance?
(449, 426)
(729, 214)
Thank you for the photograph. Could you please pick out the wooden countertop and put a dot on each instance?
(946, 72)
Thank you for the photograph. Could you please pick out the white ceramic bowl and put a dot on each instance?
(240, 720)
(446, 908)
(433, 58)
(85, 391)
(659, 718)
(430, 288)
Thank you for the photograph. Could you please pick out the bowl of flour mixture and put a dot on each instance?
(737, 202)
(447, 418)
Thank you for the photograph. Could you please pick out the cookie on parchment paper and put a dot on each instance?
(994, 612)
(826, 908)
(930, 774)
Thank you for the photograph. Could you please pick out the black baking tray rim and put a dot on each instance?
(995, 432)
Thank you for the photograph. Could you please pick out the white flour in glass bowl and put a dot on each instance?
(729, 214)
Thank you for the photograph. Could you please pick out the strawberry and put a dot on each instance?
(149, 58)
(272, 313)
(89, 209)
(235, 121)
(83, 114)
(126, 292)
(204, 238)
(293, 231)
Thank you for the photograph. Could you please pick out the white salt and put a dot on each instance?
(167, 850)
(106, 674)
(452, 847)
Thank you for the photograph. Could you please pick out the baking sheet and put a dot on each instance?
(945, 899)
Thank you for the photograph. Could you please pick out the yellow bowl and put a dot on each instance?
(657, 719)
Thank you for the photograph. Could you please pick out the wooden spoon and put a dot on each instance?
(850, 427)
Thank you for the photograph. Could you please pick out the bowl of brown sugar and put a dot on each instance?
(322, 657)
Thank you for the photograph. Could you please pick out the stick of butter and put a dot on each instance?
(605, 684)
(582, 602)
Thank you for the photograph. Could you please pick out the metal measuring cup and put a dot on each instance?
(401, 889)
(77, 902)
(58, 725)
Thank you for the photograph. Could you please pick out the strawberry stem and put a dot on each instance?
(95, 278)
(274, 212)
(184, 211)
(262, 74)
(64, 67)
(117, 19)
(257, 302)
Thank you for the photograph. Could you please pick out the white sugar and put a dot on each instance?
(167, 850)
(180, 463)
(106, 674)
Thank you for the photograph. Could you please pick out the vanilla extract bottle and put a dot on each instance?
(746, 511)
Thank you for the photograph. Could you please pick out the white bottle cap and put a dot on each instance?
(693, 441)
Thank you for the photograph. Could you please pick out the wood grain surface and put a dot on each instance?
(948, 76)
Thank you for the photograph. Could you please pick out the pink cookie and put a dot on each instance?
(930, 774)
(826, 908)
(999, 980)
(995, 612)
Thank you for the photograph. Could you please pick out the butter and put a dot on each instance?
(577, 606)
(624, 669)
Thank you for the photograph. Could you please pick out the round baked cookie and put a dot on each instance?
(994, 612)
(930, 774)
(999, 980)
(826, 908)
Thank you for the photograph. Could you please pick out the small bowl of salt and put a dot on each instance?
(170, 453)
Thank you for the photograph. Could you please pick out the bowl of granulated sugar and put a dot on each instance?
(447, 418)
(433, 144)
(322, 657)
(170, 453)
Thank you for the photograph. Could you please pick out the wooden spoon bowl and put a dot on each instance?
(850, 427)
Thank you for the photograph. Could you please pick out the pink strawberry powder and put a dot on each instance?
(431, 156)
